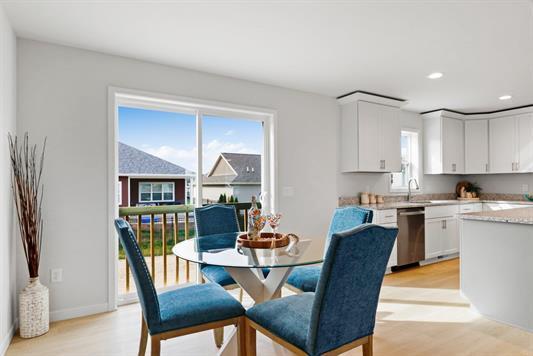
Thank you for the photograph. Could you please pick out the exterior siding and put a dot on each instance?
(179, 189)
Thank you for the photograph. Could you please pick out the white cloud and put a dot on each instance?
(187, 157)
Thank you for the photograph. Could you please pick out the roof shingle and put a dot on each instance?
(134, 161)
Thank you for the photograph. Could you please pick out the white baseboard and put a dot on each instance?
(4, 344)
(71, 313)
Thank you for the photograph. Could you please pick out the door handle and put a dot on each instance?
(411, 213)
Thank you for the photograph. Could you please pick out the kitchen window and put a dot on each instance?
(410, 168)
(156, 192)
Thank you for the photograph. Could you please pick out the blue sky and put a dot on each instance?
(172, 136)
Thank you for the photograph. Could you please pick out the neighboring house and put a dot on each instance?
(147, 179)
(236, 174)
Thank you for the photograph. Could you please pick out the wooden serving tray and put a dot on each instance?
(266, 240)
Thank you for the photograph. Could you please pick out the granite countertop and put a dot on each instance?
(513, 216)
(420, 204)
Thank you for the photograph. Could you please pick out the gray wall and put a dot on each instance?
(7, 233)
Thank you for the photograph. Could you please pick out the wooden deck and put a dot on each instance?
(420, 312)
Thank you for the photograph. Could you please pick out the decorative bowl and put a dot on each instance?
(266, 240)
(529, 197)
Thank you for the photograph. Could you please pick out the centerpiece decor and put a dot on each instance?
(27, 168)
(255, 238)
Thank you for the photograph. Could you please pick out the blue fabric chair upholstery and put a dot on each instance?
(343, 308)
(305, 278)
(215, 220)
(180, 308)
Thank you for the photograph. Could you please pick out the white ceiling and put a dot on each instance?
(484, 48)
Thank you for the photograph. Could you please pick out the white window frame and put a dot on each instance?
(119, 192)
(417, 162)
(162, 193)
(200, 108)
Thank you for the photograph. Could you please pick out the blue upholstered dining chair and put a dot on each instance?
(215, 220)
(178, 312)
(305, 278)
(341, 314)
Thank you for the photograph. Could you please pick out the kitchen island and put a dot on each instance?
(497, 264)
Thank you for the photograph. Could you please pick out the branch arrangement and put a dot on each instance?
(26, 175)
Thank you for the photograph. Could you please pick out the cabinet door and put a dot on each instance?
(502, 145)
(476, 146)
(393, 259)
(390, 139)
(433, 237)
(450, 236)
(525, 143)
(369, 116)
(452, 146)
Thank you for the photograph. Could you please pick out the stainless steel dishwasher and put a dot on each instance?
(411, 236)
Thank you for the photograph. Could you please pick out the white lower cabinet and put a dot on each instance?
(393, 259)
(441, 231)
(433, 232)
(388, 218)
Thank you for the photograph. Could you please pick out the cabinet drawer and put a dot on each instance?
(441, 211)
(385, 216)
(470, 208)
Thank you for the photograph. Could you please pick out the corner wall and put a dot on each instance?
(62, 93)
(7, 236)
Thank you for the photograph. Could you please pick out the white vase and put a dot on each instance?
(34, 319)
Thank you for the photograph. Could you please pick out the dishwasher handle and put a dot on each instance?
(409, 213)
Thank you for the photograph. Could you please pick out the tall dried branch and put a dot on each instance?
(26, 176)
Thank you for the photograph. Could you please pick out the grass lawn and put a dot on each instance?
(158, 241)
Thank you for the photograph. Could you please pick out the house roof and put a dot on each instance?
(134, 161)
(246, 166)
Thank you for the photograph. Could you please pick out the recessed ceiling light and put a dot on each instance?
(505, 97)
(435, 75)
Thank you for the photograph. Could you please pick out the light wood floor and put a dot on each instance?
(420, 313)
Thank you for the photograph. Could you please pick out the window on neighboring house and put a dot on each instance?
(410, 163)
(156, 192)
(119, 193)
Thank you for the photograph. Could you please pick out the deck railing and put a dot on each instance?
(158, 228)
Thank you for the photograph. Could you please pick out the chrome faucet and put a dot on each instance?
(409, 188)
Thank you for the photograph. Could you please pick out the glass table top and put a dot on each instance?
(222, 250)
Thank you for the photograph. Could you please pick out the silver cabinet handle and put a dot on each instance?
(517, 166)
(454, 167)
(514, 166)
(444, 224)
(486, 167)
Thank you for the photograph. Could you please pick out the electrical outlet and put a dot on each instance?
(56, 275)
(525, 188)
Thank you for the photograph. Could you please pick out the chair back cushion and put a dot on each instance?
(347, 218)
(216, 219)
(143, 281)
(347, 293)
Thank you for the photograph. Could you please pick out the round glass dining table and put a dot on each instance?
(246, 265)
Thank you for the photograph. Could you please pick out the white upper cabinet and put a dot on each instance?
(525, 143)
(370, 135)
(476, 146)
(502, 145)
(443, 145)
(453, 152)
(511, 144)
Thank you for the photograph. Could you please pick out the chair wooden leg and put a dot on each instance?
(368, 347)
(250, 334)
(241, 336)
(240, 295)
(218, 333)
(144, 337)
(156, 346)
